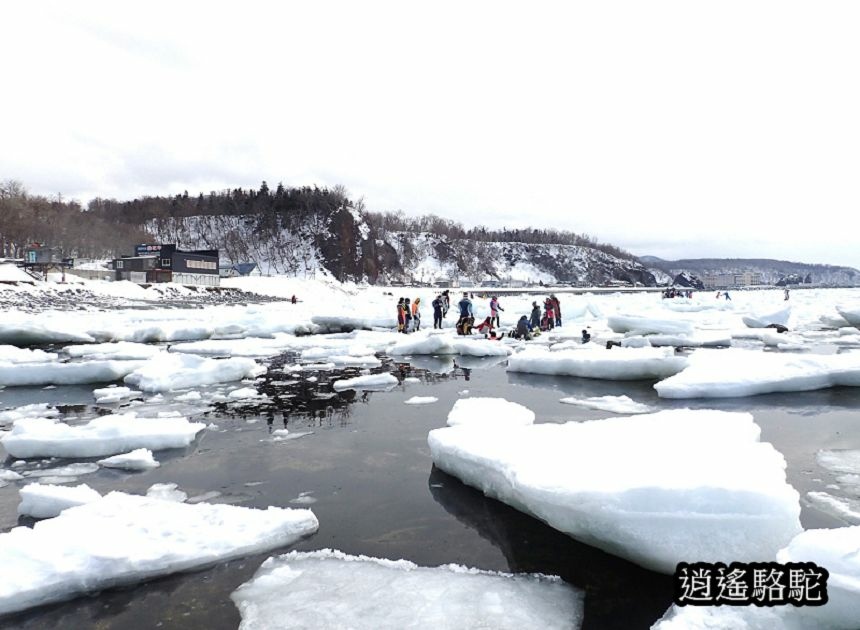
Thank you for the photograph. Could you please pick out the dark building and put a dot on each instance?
(165, 263)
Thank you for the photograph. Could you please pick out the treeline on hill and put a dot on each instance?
(26, 219)
(272, 225)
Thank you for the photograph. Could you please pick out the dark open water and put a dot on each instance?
(368, 465)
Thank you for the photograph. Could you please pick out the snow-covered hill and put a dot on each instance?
(344, 246)
(773, 272)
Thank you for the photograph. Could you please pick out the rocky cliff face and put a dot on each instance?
(343, 245)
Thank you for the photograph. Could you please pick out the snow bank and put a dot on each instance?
(184, 371)
(368, 382)
(615, 404)
(739, 372)
(654, 489)
(489, 412)
(138, 459)
(105, 435)
(359, 592)
(597, 362)
(39, 374)
(124, 539)
(47, 501)
(12, 273)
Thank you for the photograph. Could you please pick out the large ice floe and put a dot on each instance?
(329, 589)
(170, 371)
(655, 489)
(618, 364)
(739, 372)
(645, 325)
(850, 314)
(763, 320)
(54, 373)
(837, 550)
(124, 539)
(489, 412)
(105, 435)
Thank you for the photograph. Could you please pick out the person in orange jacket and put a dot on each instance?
(416, 313)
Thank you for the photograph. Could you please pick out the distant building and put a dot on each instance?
(236, 270)
(731, 280)
(164, 263)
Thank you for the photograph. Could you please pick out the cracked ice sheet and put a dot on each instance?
(328, 589)
(735, 372)
(654, 489)
(124, 539)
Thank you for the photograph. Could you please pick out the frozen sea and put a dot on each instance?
(360, 459)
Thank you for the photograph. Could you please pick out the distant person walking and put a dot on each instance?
(727, 296)
(786, 293)
(438, 312)
(446, 302)
(495, 307)
(416, 313)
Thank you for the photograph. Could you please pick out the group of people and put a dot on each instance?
(672, 292)
(409, 316)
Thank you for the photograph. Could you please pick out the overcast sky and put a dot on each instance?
(678, 129)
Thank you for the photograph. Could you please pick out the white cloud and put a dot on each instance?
(672, 128)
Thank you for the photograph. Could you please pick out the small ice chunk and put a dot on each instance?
(370, 382)
(138, 459)
(411, 380)
(169, 370)
(166, 492)
(421, 400)
(69, 470)
(114, 394)
(189, 397)
(615, 404)
(489, 412)
(37, 410)
(9, 475)
(359, 592)
(47, 501)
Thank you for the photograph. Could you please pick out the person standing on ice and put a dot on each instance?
(446, 303)
(786, 293)
(401, 316)
(495, 307)
(726, 295)
(556, 307)
(550, 314)
(416, 313)
(466, 313)
(407, 316)
(535, 318)
(438, 312)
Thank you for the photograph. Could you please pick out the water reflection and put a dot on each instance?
(618, 594)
